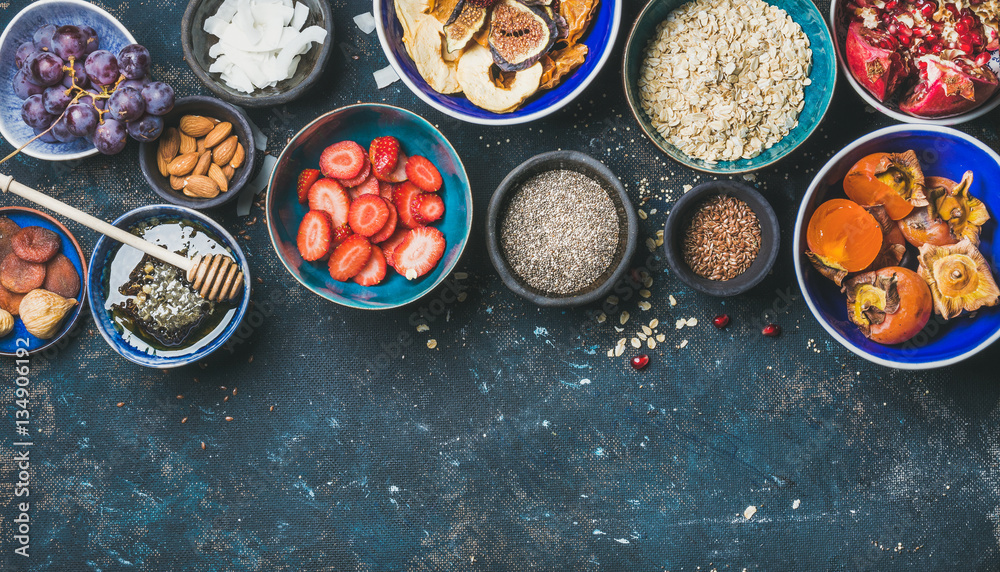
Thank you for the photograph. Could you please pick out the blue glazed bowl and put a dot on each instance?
(818, 94)
(943, 152)
(113, 35)
(97, 288)
(69, 247)
(362, 123)
(600, 39)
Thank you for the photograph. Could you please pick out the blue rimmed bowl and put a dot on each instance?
(97, 288)
(19, 338)
(600, 39)
(943, 152)
(361, 123)
(113, 36)
(818, 94)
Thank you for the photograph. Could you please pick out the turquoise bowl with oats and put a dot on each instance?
(818, 94)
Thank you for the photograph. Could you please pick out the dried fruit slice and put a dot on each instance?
(891, 179)
(8, 229)
(374, 271)
(419, 252)
(519, 35)
(873, 60)
(476, 78)
(61, 277)
(465, 21)
(349, 258)
(368, 215)
(948, 87)
(10, 301)
(426, 51)
(327, 195)
(890, 305)
(315, 236)
(35, 244)
(959, 278)
(20, 276)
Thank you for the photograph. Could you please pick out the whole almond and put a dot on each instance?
(204, 160)
(177, 183)
(238, 157)
(201, 148)
(215, 173)
(170, 143)
(218, 134)
(187, 144)
(224, 152)
(183, 164)
(196, 125)
(201, 186)
(161, 164)
(228, 171)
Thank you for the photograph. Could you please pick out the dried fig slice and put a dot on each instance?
(464, 22)
(35, 244)
(21, 276)
(61, 277)
(520, 35)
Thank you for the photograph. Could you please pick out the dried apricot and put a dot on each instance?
(10, 301)
(61, 277)
(35, 244)
(21, 276)
(8, 229)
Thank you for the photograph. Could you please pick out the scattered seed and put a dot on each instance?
(271, 408)
(180, 397)
(202, 445)
(226, 398)
(234, 391)
(431, 344)
(185, 420)
(120, 404)
(229, 418)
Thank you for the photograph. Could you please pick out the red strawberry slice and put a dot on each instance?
(370, 186)
(389, 245)
(368, 215)
(365, 171)
(327, 195)
(403, 199)
(383, 154)
(427, 208)
(374, 271)
(419, 252)
(315, 236)
(343, 160)
(389, 227)
(350, 257)
(398, 175)
(423, 173)
(386, 190)
(306, 179)
(353, 193)
(340, 234)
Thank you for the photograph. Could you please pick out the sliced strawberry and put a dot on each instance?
(386, 190)
(306, 179)
(389, 245)
(327, 195)
(389, 227)
(350, 257)
(353, 193)
(427, 208)
(383, 154)
(374, 271)
(343, 160)
(419, 252)
(398, 175)
(315, 236)
(340, 234)
(370, 186)
(368, 215)
(423, 173)
(365, 171)
(402, 199)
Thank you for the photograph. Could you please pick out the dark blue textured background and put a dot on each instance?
(489, 452)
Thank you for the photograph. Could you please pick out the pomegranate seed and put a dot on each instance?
(982, 59)
(905, 40)
(930, 38)
(891, 4)
(720, 321)
(893, 29)
(927, 10)
(918, 32)
(905, 30)
(953, 9)
(771, 330)
(640, 361)
(961, 27)
(966, 47)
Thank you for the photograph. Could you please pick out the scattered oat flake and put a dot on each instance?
(749, 512)
(460, 275)
(601, 318)
(644, 305)
(623, 318)
(423, 328)
(680, 323)
(462, 296)
(673, 301)
(619, 351)
(613, 300)
(647, 330)
(642, 214)
(650, 343)
(683, 344)
(611, 353)
(660, 338)
(641, 336)
(796, 503)
(692, 322)
(645, 293)
(431, 344)
(650, 244)
(653, 323)
(636, 343)
(687, 188)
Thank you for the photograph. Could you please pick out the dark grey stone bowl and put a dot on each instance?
(209, 107)
(681, 214)
(196, 42)
(628, 226)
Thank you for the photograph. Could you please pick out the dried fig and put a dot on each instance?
(42, 312)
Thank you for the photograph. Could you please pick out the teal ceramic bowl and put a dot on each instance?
(817, 95)
(361, 123)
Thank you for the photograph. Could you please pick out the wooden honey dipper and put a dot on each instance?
(215, 277)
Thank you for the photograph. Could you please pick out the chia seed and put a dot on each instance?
(560, 232)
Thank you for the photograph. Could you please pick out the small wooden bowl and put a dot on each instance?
(208, 107)
(195, 43)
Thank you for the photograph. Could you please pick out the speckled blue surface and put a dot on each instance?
(362, 124)
(113, 37)
(515, 444)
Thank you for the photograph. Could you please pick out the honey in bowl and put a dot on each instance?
(152, 304)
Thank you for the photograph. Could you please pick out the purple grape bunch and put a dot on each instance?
(72, 88)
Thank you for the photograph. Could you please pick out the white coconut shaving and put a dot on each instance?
(385, 77)
(260, 41)
(365, 22)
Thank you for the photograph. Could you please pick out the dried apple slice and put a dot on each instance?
(441, 75)
(476, 80)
